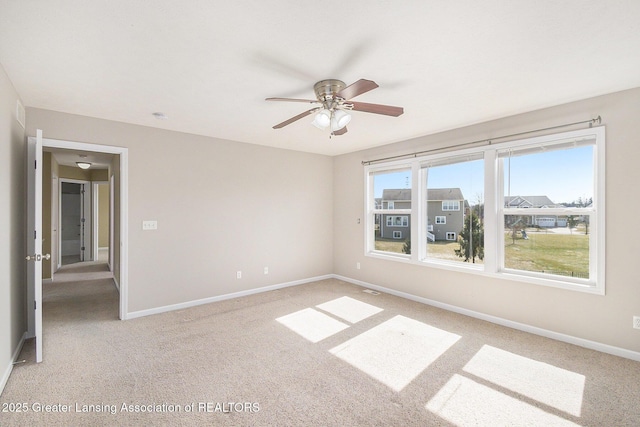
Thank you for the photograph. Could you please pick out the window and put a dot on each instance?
(544, 216)
(453, 183)
(389, 208)
(555, 183)
(397, 221)
(451, 205)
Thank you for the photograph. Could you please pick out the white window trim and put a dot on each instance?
(494, 222)
(446, 203)
(441, 219)
(455, 236)
(404, 220)
(399, 232)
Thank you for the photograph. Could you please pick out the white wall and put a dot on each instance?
(221, 207)
(12, 223)
(604, 319)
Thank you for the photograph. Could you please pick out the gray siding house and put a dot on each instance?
(445, 213)
(537, 202)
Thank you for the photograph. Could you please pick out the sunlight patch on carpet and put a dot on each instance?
(465, 402)
(553, 386)
(396, 351)
(349, 309)
(312, 325)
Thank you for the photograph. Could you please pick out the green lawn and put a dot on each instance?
(439, 250)
(544, 251)
(564, 254)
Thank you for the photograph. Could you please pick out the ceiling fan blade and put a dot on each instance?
(357, 88)
(294, 118)
(340, 131)
(387, 110)
(308, 101)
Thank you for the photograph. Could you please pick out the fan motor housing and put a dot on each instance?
(327, 89)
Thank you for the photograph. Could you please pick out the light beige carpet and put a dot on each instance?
(321, 354)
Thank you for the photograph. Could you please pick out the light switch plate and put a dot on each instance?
(149, 225)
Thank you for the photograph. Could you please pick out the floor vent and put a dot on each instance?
(369, 291)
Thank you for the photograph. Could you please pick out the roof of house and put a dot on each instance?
(444, 194)
(397, 194)
(529, 202)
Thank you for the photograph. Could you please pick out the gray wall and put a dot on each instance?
(12, 225)
(605, 319)
(221, 207)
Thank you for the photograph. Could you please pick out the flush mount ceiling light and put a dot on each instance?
(335, 102)
(83, 165)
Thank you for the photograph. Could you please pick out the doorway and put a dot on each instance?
(75, 222)
(105, 202)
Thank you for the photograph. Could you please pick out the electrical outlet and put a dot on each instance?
(636, 322)
(358, 265)
(266, 270)
(238, 274)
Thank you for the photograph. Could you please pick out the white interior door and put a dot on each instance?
(34, 240)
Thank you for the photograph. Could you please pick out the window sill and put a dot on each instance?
(577, 285)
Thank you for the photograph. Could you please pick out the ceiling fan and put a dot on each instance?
(335, 102)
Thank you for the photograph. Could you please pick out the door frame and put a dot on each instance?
(86, 202)
(123, 282)
(95, 218)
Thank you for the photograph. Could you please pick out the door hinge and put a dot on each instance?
(35, 236)
(35, 164)
(34, 305)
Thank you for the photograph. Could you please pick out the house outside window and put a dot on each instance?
(542, 223)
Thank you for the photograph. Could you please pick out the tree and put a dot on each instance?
(406, 246)
(572, 222)
(471, 239)
(517, 224)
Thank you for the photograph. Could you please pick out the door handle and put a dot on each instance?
(38, 257)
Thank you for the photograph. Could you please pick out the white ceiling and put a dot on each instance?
(209, 65)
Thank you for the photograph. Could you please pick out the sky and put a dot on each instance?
(561, 175)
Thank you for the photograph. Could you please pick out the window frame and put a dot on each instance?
(494, 212)
(451, 205)
(441, 220)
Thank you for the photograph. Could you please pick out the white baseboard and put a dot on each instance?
(9, 369)
(180, 306)
(593, 345)
(45, 281)
(115, 281)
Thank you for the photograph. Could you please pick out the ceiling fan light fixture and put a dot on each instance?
(83, 165)
(339, 120)
(322, 119)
